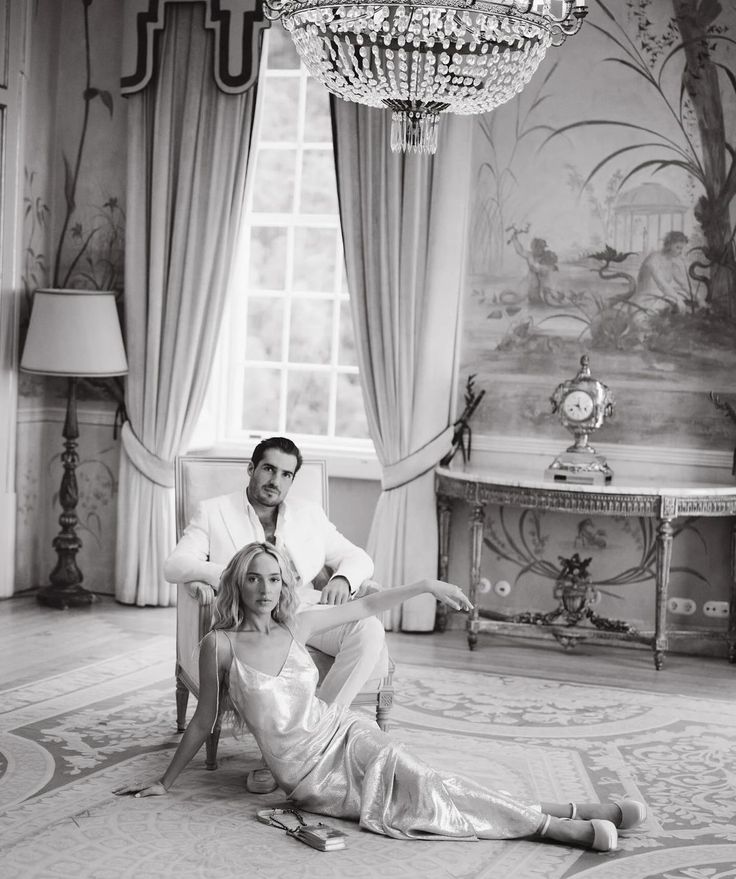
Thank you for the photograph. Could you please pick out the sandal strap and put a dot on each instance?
(545, 826)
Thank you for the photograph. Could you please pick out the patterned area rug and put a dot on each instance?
(67, 742)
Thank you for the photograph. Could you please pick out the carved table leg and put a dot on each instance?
(476, 548)
(444, 510)
(732, 606)
(664, 557)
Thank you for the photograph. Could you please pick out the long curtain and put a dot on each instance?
(404, 228)
(188, 146)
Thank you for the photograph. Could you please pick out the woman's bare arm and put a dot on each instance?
(321, 617)
(210, 672)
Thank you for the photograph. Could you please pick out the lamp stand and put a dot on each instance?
(66, 578)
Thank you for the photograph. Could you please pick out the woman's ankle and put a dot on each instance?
(576, 832)
(584, 811)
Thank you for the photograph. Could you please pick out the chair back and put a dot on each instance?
(198, 477)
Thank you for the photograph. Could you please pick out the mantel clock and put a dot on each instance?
(582, 404)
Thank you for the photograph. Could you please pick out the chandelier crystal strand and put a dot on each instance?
(421, 58)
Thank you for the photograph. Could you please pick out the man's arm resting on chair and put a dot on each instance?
(190, 559)
(350, 564)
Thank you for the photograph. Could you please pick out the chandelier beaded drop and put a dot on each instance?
(421, 58)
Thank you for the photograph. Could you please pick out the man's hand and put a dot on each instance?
(337, 591)
(203, 592)
(367, 587)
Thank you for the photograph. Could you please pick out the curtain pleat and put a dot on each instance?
(404, 230)
(188, 147)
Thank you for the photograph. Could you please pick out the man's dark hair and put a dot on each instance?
(282, 444)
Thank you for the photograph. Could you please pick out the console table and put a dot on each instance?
(663, 502)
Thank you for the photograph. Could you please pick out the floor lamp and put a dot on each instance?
(72, 333)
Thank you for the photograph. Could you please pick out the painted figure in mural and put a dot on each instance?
(261, 511)
(542, 262)
(662, 283)
(331, 760)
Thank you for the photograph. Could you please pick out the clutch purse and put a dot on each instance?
(319, 836)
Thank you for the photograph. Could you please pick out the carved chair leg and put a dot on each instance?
(383, 707)
(211, 744)
(182, 700)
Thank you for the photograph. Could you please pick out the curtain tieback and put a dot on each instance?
(417, 463)
(155, 469)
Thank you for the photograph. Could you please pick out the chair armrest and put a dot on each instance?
(193, 619)
(202, 592)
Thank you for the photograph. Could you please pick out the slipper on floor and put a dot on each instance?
(260, 781)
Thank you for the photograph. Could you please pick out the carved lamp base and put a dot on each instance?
(62, 599)
(579, 466)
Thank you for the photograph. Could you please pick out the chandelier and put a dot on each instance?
(421, 58)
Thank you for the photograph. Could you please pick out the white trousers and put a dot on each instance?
(360, 655)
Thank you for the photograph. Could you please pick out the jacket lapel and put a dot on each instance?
(235, 520)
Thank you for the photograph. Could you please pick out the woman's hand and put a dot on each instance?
(449, 594)
(142, 789)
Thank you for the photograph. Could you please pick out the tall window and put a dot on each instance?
(287, 362)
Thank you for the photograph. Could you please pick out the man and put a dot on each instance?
(662, 282)
(260, 511)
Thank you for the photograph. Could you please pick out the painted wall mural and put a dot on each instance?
(80, 243)
(604, 223)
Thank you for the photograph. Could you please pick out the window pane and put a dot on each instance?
(265, 328)
(281, 51)
(346, 355)
(280, 108)
(314, 260)
(260, 399)
(275, 175)
(306, 409)
(267, 268)
(311, 331)
(350, 420)
(319, 190)
(317, 123)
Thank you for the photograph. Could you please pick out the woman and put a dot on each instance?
(333, 761)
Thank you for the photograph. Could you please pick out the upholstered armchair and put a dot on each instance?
(198, 477)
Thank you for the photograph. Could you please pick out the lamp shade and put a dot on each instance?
(74, 333)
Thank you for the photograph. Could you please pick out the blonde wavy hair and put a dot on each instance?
(229, 611)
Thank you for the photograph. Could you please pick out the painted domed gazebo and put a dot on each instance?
(644, 215)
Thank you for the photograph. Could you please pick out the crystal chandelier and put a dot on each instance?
(421, 58)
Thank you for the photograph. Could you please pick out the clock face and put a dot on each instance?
(577, 406)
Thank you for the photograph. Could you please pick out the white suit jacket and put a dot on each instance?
(223, 525)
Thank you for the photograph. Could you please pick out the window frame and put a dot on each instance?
(219, 424)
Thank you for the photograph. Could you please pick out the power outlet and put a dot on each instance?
(716, 609)
(684, 606)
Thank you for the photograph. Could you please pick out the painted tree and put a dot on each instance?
(695, 37)
(700, 79)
